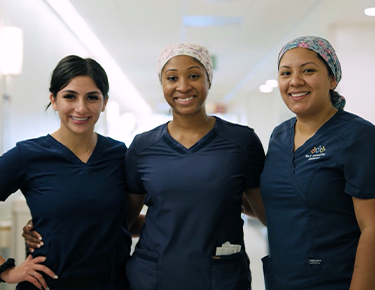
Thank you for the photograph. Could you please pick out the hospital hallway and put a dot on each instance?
(256, 248)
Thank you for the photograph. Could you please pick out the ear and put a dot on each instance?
(105, 104)
(333, 83)
(52, 99)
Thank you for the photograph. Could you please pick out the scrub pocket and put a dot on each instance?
(330, 271)
(268, 273)
(230, 272)
(142, 270)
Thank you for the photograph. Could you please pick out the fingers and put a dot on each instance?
(33, 278)
(32, 238)
(42, 268)
(29, 225)
(36, 260)
(48, 271)
(39, 280)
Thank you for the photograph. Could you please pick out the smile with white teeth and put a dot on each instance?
(298, 95)
(185, 100)
(79, 119)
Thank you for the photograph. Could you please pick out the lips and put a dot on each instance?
(299, 95)
(79, 119)
(184, 99)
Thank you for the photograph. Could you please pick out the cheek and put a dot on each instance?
(167, 91)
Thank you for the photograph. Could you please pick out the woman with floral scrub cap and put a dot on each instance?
(194, 170)
(318, 184)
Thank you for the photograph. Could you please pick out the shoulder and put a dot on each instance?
(108, 141)
(239, 134)
(354, 120)
(34, 143)
(144, 140)
(283, 127)
(346, 125)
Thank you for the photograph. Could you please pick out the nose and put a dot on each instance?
(81, 106)
(183, 85)
(296, 80)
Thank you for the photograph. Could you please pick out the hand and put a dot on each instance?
(29, 271)
(32, 238)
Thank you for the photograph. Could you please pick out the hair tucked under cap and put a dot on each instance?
(323, 48)
(194, 50)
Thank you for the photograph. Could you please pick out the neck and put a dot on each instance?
(77, 143)
(307, 125)
(192, 122)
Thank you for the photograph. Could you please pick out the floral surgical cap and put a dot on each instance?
(194, 50)
(322, 47)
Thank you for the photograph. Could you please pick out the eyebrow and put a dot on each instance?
(190, 67)
(304, 64)
(74, 92)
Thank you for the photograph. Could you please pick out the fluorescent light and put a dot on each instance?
(120, 85)
(370, 11)
(272, 83)
(203, 20)
(11, 50)
(265, 89)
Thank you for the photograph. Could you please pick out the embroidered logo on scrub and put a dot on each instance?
(316, 153)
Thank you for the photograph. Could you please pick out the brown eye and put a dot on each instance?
(284, 73)
(171, 78)
(68, 96)
(93, 98)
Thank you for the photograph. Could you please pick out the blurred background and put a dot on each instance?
(125, 36)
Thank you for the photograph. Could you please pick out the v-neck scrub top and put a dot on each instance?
(194, 199)
(78, 208)
(312, 228)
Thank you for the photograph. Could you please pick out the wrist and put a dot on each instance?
(8, 264)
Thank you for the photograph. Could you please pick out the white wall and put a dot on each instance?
(355, 48)
(46, 41)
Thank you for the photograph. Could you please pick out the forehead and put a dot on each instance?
(81, 82)
(299, 55)
(181, 62)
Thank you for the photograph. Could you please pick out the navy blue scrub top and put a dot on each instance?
(194, 199)
(312, 228)
(78, 208)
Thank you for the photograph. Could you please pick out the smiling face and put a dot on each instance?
(185, 85)
(79, 105)
(304, 82)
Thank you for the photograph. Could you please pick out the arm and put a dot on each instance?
(29, 271)
(364, 266)
(246, 207)
(134, 207)
(255, 201)
(135, 230)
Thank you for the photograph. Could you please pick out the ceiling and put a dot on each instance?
(244, 36)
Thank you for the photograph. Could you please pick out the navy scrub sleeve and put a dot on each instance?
(194, 198)
(312, 229)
